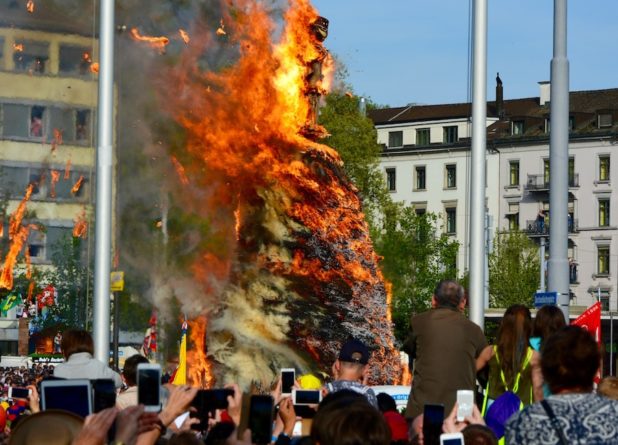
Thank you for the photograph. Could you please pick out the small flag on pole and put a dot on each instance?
(180, 375)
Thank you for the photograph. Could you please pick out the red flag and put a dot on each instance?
(591, 321)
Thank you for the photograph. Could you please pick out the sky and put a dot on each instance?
(399, 52)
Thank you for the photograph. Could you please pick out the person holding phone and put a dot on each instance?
(78, 350)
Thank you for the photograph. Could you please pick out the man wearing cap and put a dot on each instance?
(350, 369)
(444, 345)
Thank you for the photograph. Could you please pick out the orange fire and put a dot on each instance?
(55, 176)
(245, 136)
(57, 139)
(184, 36)
(180, 170)
(94, 67)
(80, 229)
(18, 47)
(198, 368)
(221, 29)
(77, 185)
(155, 42)
(67, 170)
(30, 6)
(30, 291)
(18, 234)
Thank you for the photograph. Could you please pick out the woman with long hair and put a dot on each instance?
(513, 365)
(548, 319)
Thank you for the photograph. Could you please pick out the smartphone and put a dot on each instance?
(465, 403)
(451, 439)
(288, 378)
(261, 419)
(19, 393)
(433, 417)
(306, 396)
(149, 386)
(104, 394)
(74, 395)
(206, 401)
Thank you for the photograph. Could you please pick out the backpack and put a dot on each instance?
(507, 404)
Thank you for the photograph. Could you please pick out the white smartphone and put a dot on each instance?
(74, 395)
(19, 393)
(451, 439)
(465, 403)
(149, 386)
(306, 396)
(288, 378)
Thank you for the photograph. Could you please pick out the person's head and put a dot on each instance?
(129, 372)
(548, 320)
(74, 341)
(386, 402)
(476, 434)
(570, 358)
(349, 421)
(450, 294)
(608, 387)
(513, 338)
(352, 360)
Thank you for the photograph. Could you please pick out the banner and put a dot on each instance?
(180, 374)
(591, 321)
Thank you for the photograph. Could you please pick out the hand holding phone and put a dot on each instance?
(451, 439)
(149, 386)
(288, 379)
(306, 396)
(18, 393)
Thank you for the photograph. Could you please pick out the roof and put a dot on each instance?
(584, 106)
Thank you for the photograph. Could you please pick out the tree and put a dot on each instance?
(513, 270)
(415, 254)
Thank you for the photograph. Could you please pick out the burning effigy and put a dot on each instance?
(293, 273)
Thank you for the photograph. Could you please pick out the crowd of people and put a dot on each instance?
(536, 387)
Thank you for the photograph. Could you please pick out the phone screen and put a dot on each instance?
(261, 419)
(20, 393)
(73, 398)
(455, 441)
(148, 381)
(104, 394)
(207, 401)
(287, 381)
(307, 396)
(433, 417)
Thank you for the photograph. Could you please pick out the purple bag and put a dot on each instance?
(501, 410)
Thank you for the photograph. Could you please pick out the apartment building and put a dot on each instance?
(48, 95)
(426, 162)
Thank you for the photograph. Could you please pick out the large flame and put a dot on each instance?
(18, 234)
(158, 42)
(295, 271)
(199, 370)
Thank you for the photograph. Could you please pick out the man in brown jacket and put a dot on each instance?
(444, 345)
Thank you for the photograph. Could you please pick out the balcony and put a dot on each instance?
(536, 228)
(540, 183)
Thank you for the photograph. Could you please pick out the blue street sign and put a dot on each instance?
(543, 298)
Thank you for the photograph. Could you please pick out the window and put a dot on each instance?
(451, 176)
(451, 220)
(37, 113)
(74, 60)
(420, 211)
(547, 124)
(391, 179)
(16, 120)
(604, 168)
(604, 301)
(572, 178)
(605, 120)
(423, 136)
(30, 56)
(603, 212)
(1, 53)
(571, 123)
(13, 180)
(420, 178)
(395, 139)
(603, 260)
(546, 172)
(513, 221)
(517, 128)
(513, 173)
(450, 135)
(36, 246)
(82, 125)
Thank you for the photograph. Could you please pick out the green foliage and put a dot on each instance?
(416, 255)
(513, 270)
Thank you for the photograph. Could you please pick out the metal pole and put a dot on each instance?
(103, 231)
(488, 245)
(611, 343)
(542, 261)
(559, 161)
(478, 252)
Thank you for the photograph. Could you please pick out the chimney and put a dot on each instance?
(499, 97)
(545, 96)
